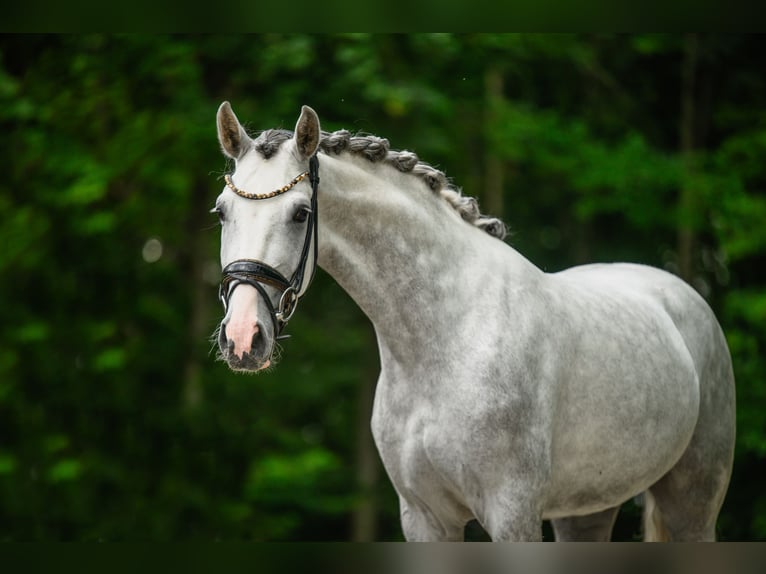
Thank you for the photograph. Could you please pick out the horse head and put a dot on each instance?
(268, 236)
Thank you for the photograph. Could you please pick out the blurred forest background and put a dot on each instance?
(117, 423)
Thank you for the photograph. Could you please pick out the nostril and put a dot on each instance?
(256, 337)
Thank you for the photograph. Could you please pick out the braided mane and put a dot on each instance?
(377, 150)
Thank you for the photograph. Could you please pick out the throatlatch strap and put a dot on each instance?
(311, 233)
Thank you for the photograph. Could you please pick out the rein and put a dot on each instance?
(257, 273)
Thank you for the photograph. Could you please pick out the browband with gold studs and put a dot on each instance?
(281, 190)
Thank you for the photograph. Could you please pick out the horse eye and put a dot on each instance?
(301, 215)
(219, 212)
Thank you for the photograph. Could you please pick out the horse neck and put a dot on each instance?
(403, 254)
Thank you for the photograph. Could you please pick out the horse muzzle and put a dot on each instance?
(245, 342)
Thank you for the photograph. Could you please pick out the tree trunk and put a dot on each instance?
(364, 520)
(687, 198)
(492, 195)
(194, 258)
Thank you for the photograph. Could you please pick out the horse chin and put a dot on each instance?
(247, 363)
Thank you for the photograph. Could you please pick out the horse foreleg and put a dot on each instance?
(513, 520)
(419, 524)
(595, 527)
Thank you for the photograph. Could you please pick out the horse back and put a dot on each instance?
(653, 290)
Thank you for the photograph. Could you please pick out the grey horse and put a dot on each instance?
(506, 394)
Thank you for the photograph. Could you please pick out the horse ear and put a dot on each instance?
(231, 135)
(307, 132)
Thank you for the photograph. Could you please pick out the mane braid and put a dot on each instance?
(377, 150)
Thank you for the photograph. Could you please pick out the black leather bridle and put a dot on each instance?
(257, 273)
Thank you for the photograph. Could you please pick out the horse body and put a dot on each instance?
(508, 394)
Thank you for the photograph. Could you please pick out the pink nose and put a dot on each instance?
(242, 327)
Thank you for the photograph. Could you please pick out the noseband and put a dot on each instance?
(257, 273)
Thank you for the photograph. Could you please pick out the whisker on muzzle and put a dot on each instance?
(214, 345)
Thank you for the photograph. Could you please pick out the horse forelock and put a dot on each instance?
(377, 150)
(269, 141)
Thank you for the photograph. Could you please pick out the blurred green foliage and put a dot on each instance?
(116, 423)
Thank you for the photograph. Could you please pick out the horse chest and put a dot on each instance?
(423, 464)
(441, 451)
(407, 434)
